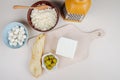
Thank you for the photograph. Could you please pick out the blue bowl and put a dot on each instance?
(8, 28)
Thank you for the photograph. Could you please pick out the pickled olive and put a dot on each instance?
(50, 61)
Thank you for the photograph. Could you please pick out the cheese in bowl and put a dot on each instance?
(15, 35)
(45, 19)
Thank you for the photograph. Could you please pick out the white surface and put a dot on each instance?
(66, 47)
(103, 62)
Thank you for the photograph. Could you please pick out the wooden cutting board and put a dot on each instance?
(70, 31)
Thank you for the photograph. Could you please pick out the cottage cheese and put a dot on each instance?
(44, 19)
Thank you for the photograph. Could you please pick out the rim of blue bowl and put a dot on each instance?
(8, 28)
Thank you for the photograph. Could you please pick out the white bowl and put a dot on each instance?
(43, 64)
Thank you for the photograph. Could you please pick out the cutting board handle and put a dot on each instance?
(97, 33)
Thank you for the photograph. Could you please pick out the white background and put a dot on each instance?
(103, 62)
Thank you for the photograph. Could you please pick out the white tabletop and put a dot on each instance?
(103, 62)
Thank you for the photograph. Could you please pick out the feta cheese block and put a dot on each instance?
(66, 47)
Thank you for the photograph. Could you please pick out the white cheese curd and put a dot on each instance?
(43, 19)
(10, 43)
(14, 43)
(11, 34)
(16, 36)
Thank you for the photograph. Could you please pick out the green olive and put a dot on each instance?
(55, 60)
(46, 58)
(53, 64)
(48, 62)
(51, 60)
(51, 56)
(49, 67)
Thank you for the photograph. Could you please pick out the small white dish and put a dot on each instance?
(43, 63)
